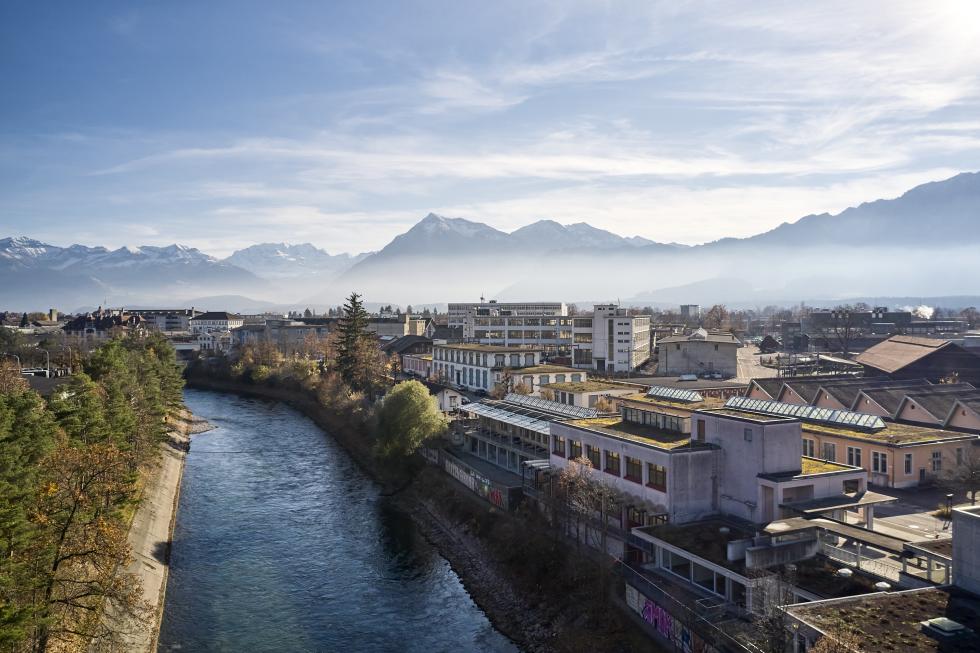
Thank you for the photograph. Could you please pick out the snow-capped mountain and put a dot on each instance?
(284, 261)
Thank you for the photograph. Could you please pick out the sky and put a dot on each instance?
(223, 124)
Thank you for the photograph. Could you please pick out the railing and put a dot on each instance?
(876, 567)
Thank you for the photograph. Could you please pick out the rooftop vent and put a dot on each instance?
(943, 628)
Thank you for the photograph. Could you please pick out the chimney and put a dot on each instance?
(53, 315)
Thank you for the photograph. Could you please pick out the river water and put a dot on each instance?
(283, 544)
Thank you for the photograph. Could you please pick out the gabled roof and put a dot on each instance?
(770, 386)
(939, 400)
(216, 315)
(400, 345)
(702, 336)
(900, 351)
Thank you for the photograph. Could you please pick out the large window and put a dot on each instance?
(657, 477)
(808, 447)
(908, 464)
(612, 463)
(879, 462)
(593, 455)
(574, 449)
(829, 451)
(634, 470)
(558, 446)
(937, 461)
(854, 456)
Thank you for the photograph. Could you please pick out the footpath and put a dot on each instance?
(150, 536)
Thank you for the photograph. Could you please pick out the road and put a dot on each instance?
(749, 367)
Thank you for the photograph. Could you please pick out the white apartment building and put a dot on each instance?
(479, 367)
(621, 339)
(215, 321)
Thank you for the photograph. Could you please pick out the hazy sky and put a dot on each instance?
(222, 124)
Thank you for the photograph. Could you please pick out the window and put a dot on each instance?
(593, 455)
(657, 477)
(937, 461)
(908, 463)
(574, 449)
(808, 447)
(701, 430)
(879, 462)
(559, 446)
(634, 470)
(612, 463)
(747, 434)
(829, 451)
(716, 347)
(959, 455)
(854, 456)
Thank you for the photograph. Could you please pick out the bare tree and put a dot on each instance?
(716, 317)
(838, 638)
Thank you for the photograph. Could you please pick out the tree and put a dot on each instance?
(23, 321)
(716, 317)
(406, 418)
(843, 328)
(522, 388)
(82, 546)
(80, 409)
(26, 435)
(963, 475)
(307, 313)
(357, 355)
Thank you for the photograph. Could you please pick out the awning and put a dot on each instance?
(837, 502)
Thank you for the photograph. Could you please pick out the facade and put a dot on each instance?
(215, 321)
(103, 324)
(586, 394)
(537, 377)
(214, 342)
(691, 313)
(419, 365)
(620, 340)
(699, 353)
(479, 367)
(609, 340)
(164, 319)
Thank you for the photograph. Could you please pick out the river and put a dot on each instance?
(283, 544)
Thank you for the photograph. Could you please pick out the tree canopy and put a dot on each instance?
(407, 417)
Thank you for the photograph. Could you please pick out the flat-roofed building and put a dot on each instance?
(479, 367)
(699, 353)
(587, 394)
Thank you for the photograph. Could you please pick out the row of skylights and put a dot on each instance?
(808, 413)
(576, 412)
(494, 412)
(674, 394)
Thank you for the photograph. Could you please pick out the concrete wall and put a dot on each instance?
(689, 492)
(966, 549)
(697, 356)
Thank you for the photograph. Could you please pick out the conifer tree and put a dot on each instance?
(357, 356)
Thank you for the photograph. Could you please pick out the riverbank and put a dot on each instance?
(535, 590)
(151, 533)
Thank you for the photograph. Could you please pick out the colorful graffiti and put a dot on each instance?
(475, 482)
(668, 627)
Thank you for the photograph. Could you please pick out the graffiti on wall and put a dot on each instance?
(475, 482)
(668, 627)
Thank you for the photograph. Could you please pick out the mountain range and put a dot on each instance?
(920, 244)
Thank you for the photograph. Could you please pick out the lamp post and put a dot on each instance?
(47, 358)
(15, 356)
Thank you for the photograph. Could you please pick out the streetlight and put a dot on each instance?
(18, 360)
(47, 357)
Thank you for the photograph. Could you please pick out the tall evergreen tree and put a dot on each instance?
(354, 346)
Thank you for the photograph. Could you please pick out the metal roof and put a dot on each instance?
(861, 421)
(674, 394)
(554, 407)
(495, 411)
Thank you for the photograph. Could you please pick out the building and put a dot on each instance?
(103, 324)
(215, 321)
(214, 342)
(699, 353)
(537, 377)
(449, 399)
(930, 620)
(911, 357)
(167, 319)
(611, 339)
(479, 367)
(620, 340)
(417, 365)
(821, 320)
(691, 313)
(586, 394)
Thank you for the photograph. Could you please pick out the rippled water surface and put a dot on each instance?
(283, 544)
